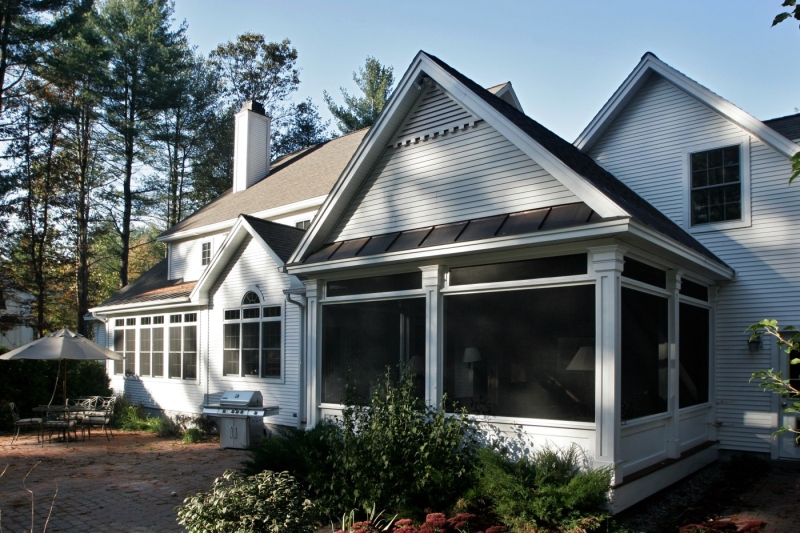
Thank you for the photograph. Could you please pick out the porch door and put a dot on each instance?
(789, 447)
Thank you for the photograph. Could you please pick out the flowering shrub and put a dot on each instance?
(268, 502)
(434, 523)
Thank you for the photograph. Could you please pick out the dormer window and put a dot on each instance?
(206, 258)
(252, 339)
(716, 186)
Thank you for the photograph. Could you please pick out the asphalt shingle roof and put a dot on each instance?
(584, 165)
(281, 238)
(788, 126)
(153, 285)
(293, 178)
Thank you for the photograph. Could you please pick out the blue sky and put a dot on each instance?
(565, 59)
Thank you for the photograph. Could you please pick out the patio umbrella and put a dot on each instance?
(62, 345)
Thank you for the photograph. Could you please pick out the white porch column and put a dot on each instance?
(432, 282)
(607, 264)
(313, 288)
(673, 374)
(713, 298)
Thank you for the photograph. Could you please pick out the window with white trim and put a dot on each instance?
(206, 257)
(303, 224)
(717, 193)
(182, 362)
(252, 339)
(125, 345)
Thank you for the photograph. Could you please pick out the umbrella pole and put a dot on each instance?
(64, 387)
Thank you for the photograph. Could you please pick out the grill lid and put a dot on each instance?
(241, 398)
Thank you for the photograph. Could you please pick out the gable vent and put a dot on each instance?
(434, 114)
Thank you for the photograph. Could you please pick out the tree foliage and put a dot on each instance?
(375, 81)
(304, 128)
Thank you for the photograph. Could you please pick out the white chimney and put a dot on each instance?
(250, 146)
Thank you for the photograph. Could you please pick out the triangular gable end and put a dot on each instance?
(385, 133)
(649, 65)
(227, 251)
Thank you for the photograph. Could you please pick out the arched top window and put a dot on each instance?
(251, 298)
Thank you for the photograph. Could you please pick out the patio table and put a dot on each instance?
(65, 414)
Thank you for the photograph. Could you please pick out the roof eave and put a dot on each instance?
(183, 301)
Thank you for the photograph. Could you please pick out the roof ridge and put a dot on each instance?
(265, 221)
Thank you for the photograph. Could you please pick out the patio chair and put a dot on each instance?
(102, 417)
(89, 404)
(20, 423)
(59, 421)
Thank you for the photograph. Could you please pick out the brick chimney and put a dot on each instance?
(250, 146)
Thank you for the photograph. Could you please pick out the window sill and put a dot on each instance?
(719, 226)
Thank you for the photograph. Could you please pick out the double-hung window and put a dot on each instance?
(206, 253)
(718, 193)
(183, 346)
(125, 345)
(252, 339)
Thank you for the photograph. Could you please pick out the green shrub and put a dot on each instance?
(267, 502)
(132, 418)
(192, 436)
(397, 453)
(547, 491)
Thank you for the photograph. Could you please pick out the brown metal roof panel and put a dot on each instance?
(444, 234)
(567, 215)
(408, 240)
(524, 222)
(481, 228)
(349, 248)
(378, 244)
(323, 253)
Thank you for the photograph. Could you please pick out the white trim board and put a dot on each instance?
(649, 65)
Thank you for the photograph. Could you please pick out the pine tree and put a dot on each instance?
(376, 82)
(305, 128)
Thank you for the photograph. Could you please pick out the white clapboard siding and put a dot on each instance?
(252, 266)
(471, 173)
(186, 256)
(434, 113)
(643, 148)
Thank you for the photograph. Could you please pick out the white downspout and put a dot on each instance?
(301, 393)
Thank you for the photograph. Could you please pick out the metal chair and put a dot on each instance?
(60, 421)
(20, 423)
(102, 417)
(88, 404)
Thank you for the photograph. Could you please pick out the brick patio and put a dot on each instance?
(131, 484)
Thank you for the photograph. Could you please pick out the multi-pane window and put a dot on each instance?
(206, 258)
(182, 362)
(125, 345)
(252, 339)
(716, 194)
(303, 224)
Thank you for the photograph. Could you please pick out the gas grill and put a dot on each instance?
(241, 417)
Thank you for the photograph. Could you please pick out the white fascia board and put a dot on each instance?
(371, 146)
(722, 271)
(597, 230)
(359, 166)
(507, 89)
(159, 305)
(274, 212)
(633, 82)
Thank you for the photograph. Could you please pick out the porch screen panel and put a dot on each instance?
(175, 352)
(524, 354)
(144, 351)
(693, 355)
(158, 352)
(119, 347)
(360, 340)
(190, 352)
(645, 361)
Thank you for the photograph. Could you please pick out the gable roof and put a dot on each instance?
(650, 65)
(587, 179)
(788, 126)
(281, 238)
(151, 286)
(302, 175)
(277, 240)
